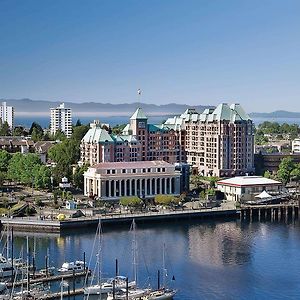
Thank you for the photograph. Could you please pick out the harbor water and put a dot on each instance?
(209, 260)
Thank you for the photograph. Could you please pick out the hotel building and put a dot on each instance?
(61, 119)
(217, 142)
(139, 141)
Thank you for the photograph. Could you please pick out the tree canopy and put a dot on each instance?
(285, 169)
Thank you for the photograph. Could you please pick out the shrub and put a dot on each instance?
(131, 201)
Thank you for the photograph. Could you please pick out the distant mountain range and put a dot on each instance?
(26, 107)
(276, 114)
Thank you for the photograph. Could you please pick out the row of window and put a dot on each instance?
(144, 170)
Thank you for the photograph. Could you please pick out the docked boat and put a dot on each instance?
(6, 267)
(125, 294)
(163, 294)
(70, 267)
(105, 287)
(3, 287)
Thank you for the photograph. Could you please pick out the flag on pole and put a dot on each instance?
(139, 92)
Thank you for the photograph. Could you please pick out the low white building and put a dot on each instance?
(248, 187)
(296, 146)
(112, 180)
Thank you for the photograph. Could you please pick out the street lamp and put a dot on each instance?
(51, 179)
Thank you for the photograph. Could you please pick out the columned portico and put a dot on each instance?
(142, 179)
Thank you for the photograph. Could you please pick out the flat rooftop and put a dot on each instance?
(248, 181)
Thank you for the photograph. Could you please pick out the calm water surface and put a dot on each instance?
(215, 260)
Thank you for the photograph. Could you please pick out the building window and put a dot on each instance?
(133, 170)
(113, 171)
(107, 171)
(123, 170)
(149, 170)
(158, 170)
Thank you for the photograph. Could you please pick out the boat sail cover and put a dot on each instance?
(263, 195)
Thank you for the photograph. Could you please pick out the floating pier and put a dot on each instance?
(52, 278)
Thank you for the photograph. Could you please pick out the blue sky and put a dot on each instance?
(196, 52)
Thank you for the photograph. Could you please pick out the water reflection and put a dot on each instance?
(210, 260)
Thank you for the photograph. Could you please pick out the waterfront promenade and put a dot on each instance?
(37, 224)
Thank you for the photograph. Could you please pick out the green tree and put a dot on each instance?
(5, 157)
(36, 136)
(37, 127)
(22, 168)
(2, 178)
(79, 132)
(285, 168)
(118, 129)
(42, 177)
(78, 123)
(19, 131)
(5, 129)
(59, 136)
(267, 174)
(295, 174)
(78, 178)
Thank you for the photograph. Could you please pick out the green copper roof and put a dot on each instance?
(138, 114)
(97, 135)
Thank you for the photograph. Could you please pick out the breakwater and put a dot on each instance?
(36, 224)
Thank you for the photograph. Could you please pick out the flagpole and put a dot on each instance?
(139, 91)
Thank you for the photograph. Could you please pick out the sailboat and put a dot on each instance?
(117, 283)
(130, 293)
(162, 293)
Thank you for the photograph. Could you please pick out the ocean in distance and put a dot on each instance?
(114, 120)
(210, 260)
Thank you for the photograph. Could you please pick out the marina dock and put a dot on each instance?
(47, 279)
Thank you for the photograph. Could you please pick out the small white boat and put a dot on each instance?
(163, 294)
(107, 286)
(69, 267)
(133, 294)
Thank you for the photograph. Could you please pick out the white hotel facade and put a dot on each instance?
(112, 180)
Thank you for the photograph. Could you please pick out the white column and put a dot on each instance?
(115, 188)
(151, 193)
(125, 187)
(130, 187)
(109, 188)
(135, 187)
(86, 186)
(146, 186)
(166, 186)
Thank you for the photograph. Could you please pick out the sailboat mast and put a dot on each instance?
(164, 266)
(7, 242)
(134, 251)
(100, 257)
(27, 250)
